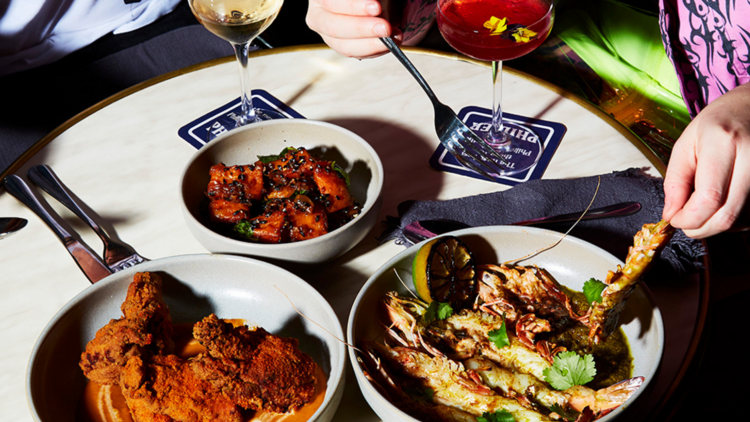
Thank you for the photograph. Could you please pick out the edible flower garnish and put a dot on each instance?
(523, 34)
(515, 31)
(496, 26)
(569, 369)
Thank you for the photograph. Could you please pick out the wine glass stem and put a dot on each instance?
(248, 111)
(496, 131)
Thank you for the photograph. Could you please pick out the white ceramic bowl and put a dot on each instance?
(572, 262)
(194, 287)
(325, 141)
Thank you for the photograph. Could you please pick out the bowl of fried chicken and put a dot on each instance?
(291, 190)
(190, 338)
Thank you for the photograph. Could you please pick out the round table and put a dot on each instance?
(123, 157)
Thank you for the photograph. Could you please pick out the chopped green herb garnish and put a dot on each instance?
(499, 337)
(244, 228)
(438, 310)
(340, 170)
(499, 416)
(569, 369)
(593, 290)
(265, 159)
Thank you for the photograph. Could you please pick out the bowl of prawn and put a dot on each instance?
(571, 263)
(193, 287)
(243, 146)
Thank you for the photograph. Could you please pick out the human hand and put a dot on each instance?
(708, 177)
(351, 27)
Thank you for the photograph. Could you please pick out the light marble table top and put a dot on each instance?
(123, 157)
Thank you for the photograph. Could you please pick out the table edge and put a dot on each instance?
(660, 166)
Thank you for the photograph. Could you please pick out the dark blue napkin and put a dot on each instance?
(541, 198)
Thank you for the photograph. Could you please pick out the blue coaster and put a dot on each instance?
(224, 118)
(479, 120)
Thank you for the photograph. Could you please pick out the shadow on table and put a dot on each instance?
(405, 156)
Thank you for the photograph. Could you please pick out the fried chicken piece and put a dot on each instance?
(332, 188)
(254, 368)
(223, 211)
(307, 218)
(241, 184)
(295, 164)
(164, 388)
(271, 226)
(145, 327)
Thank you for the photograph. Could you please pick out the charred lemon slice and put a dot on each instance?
(444, 271)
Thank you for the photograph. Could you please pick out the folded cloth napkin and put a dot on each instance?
(541, 198)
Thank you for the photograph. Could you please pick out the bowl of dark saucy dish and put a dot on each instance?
(291, 190)
(519, 346)
(190, 338)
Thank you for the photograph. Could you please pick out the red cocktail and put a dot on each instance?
(497, 30)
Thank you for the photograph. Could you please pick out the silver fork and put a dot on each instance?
(468, 148)
(118, 255)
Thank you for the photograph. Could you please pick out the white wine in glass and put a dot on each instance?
(239, 22)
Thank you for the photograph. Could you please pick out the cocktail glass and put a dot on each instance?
(498, 30)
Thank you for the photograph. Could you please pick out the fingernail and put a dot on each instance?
(397, 36)
(380, 30)
(373, 9)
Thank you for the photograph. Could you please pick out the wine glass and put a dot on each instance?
(497, 30)
(240, 22)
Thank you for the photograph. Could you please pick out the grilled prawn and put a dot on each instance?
(451, 384)
(462, 336)
(526, 388)
(620, 284)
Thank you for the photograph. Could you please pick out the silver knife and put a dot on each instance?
(418, 231)
(90, 263)
(117, 255)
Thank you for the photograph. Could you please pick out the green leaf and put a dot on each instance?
(499, 416)
(244, 228)
(437, 310)
(340, 170)
(569, 369)
(499, 337)
(593, 290)
(444, 310)
(265, 159)
(567, 414)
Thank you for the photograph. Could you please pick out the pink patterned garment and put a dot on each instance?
(708, 42)
(413, 17)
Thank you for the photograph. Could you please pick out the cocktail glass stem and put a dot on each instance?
(496, 136)
(242, 51)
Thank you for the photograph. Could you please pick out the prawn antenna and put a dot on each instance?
(314, 322)
(533, 254)
(404, 284)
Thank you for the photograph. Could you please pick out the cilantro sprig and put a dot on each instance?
(499, 416)
(499, 337)
(569, 369)
(437, 310)
(593, 289)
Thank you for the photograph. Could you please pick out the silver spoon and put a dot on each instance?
(8, 226)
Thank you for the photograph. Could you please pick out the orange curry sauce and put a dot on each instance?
(105, 403)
